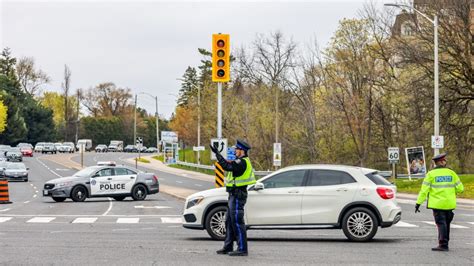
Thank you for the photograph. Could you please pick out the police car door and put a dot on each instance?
(102, 183)
(125, 178)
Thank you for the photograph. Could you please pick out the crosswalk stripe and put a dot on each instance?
(41, 219)
(5, 219)
(452, 225)
(167, 220)
(84, 220)
(403, 224)
(128, 220)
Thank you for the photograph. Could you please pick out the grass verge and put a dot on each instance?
(184, 167)
(159, 158)
(413, 187)
(142, 160)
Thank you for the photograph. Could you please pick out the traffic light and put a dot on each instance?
(220, 57)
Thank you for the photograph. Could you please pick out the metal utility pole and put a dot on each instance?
(219, 110)
(434, 21)
(199, 124)
(135, 121)
(276, 113)
(77, 121)
(157, 126)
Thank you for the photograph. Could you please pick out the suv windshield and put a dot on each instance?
(16, 166)
(378, 179)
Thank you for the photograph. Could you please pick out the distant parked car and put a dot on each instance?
(3, 166)
(39, 146)
(16, 171)
(14, 155)
(143, 149)
(151, 150)
(67, 147)
(49, 148)
(130, 148)
(26, 151)
(101, 148)
(22, 144)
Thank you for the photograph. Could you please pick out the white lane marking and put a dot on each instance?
(197, 185)
(34, 196)
(36, 191)
(41, 219)
(84, 220)
(452, 225)
(167, 220)
(31, 184)
(152, 207)
(4, 210)
(85, 215)
(406, 201)
(180, 182)
(26, 202)
(403, 224)
(110, 207)
(48, 168)
(470, 222)
(121, 229)
(62, 169)
(55, 232)
(35, 188)
(5, 219)
(184, 175)
(128, 220)
(149, 228)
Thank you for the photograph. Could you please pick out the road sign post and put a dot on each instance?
(394, 158)
(277, 155)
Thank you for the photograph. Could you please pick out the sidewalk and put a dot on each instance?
(159, 165)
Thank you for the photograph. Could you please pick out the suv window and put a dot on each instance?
(287, 179)
(329, 178)
(105, 172)
(378, 179)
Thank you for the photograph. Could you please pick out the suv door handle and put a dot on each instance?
(293, 191)
(341, 189)
(132, 177)
(110, 178)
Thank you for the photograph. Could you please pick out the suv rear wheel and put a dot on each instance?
(359, 224)
(215, 223)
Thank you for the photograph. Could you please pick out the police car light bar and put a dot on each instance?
(106, 163)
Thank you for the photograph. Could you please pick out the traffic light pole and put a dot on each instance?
(219, 110)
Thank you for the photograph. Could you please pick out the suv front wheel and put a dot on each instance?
(359, 224)
(215, 223)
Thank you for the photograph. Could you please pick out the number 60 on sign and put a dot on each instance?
(393, 154)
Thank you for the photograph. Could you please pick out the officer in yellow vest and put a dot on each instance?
(440, 187)
(240, 175)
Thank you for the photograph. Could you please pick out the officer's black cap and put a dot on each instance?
(242, 145)
(439, 157)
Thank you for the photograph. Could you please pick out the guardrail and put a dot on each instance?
(210, 167)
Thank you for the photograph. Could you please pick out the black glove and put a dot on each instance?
(417, 208)
(213, 149)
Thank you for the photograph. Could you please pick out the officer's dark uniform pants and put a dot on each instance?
(235, 224)
(443, 221)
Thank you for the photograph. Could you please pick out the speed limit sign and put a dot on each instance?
(393, 154)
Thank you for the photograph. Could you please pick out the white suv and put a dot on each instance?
(354, 199)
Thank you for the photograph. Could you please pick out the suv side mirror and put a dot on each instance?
(258, 186)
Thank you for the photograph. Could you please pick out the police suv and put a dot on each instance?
(104, 180)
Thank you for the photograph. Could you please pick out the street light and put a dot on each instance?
(157, 119)
(434, 21)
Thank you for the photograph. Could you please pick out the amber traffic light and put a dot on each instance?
(220, 57)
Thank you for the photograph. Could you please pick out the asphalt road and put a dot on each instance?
(36, 230)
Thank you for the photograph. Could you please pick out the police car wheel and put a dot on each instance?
(359, 224)
(59, 199)
(215, 223)
(139, 192)
(79, 194)
(119, 198)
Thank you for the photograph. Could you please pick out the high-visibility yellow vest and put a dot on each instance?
(247, 178)
(440, 187)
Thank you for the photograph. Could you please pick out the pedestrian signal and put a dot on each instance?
(220, 57)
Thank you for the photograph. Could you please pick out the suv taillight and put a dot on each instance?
(156, 178)
(385, 193)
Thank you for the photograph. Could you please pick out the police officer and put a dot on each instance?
(440, 187)
(240, 175)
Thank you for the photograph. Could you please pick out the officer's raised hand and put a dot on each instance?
(417, 208)
(213, 149)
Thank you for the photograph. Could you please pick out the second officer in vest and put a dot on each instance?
(240, 175)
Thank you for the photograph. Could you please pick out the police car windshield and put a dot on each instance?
(86, 172)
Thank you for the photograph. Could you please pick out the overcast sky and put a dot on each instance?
(146, 45)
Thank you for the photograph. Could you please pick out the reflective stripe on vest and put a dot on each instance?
(247, 178)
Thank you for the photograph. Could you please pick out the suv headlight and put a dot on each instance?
(194, 202)
(64, 184)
